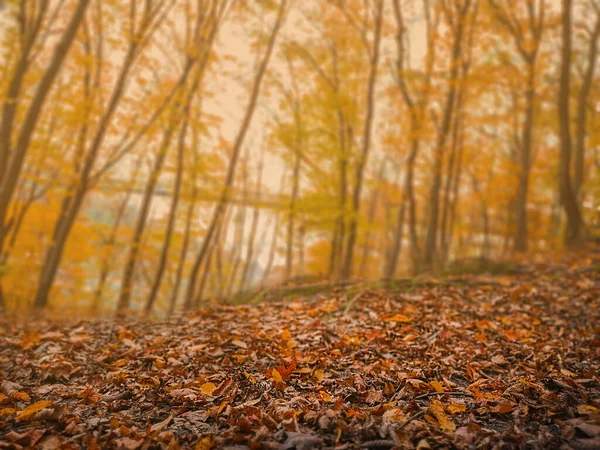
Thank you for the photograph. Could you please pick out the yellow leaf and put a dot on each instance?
(437, 386)
(5, 412)
(250, 377)
(586, 409)
(204, 444)
(208, 388)
(20, 396)
(437, 409)
(319, 374)
(398, 318)
(276, 376)
(456, 408)
(303, 370)
(36, 407)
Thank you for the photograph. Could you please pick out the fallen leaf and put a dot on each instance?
(36, 407)
(437, 409)
(456, 408)
(400, 318)
(208, 388)
(503, 408)
(276, 376)
(239, 343)
(325, 396)
(319, 374)
(437, 386)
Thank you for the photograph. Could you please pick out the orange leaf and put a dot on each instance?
(319, 374)
(437, 386)
(20, 396)
(456, 408)
(276, 376)
(398, 318)
(325, 396)
(503, 408)
(208, 388)
(587, 409)
(32, 409)
(437, 409)
(5, 412)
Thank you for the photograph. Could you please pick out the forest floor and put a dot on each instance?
(493, 361)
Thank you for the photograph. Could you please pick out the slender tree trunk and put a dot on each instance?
(237, 146)
(238, 238)
(567, 194)
(362, 162)
(289, 251)
(272, 249)
(249, 261)
(581, 124)
(434, 193)
(183, 254)
(451, 169)
(371, 212)
(390, 270)
(134, 247)
(162, 262)
(110, 242)
(521, 231)
(455, 198)
(204, 278)
(13, 159)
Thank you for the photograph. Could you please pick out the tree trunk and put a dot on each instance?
(371, 219)
(237, 146)
(567, 194)
(434, 193)
(134, 247)
(289, 251)
(581, 124)
(253, 228)
(162, 262)
(366, 145)
(110, 242)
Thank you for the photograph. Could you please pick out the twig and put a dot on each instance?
(380, 443)
(411, 418)
(351, 303)
(431, 394)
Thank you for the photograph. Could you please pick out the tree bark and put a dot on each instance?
(366, 144)
(172, 216)
(581, 124)
(237, 146)
(434, 193)
(567, 194)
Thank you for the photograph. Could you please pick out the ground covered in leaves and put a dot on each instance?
(490, 362)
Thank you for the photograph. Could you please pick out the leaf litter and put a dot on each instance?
(510, 364)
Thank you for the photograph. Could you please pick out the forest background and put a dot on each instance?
(155, 154)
